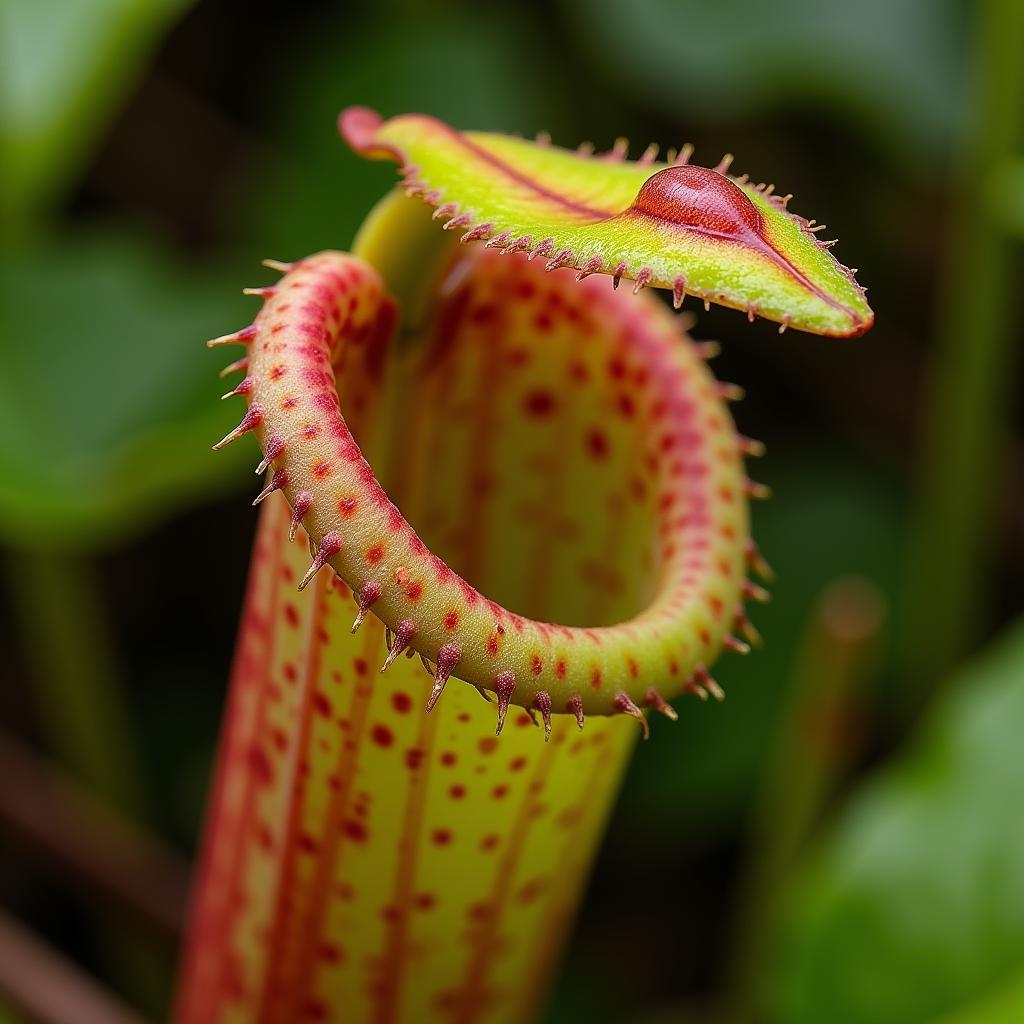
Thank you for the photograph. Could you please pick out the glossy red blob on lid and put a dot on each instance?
(700, 198)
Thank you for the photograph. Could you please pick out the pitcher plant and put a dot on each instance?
(485, 459)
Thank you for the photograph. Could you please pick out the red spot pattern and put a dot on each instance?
(382, 736)
(352, 741)
(539, 403)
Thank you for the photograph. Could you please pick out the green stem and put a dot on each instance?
(973, 365)
(819, 735)
(75, 685)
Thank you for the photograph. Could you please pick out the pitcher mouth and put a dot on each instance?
(648, 426)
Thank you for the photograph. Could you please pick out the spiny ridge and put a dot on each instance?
(341, 484)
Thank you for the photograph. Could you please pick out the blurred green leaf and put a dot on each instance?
(108, 397)
(1004, 196)
(8, 1016)
(64, 65)
(494, 74)
(896, 67)
(1005, 1007)
(916, 905)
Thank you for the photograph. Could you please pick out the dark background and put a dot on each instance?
(841, 840)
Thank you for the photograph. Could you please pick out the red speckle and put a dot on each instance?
(413, 758)
(517, 764)
(359, 664)
(347, 506)
(597, 444)
(531, 890)
(356, 831)
(536, 665)
(634, 671)
(321, 469)
(426, 900)
(492, 645)
(330, 953)
(441, 836)
(571, 816)
(264, 837)
(374, 554)
(322, 704)
(488, 744)
(382, 736)
(451, 619)
(260, 765)
(291, 614)
(616, 369)
(401, 702)
(457, 792)
(490, 841)
(480, 911)
(499, 792)
(560, 669)
(448, 758)
(595, 678)
(415, 591)
(539, 403)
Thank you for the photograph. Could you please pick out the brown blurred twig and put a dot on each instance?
(47, 988)
(820, 735)
(96, 847)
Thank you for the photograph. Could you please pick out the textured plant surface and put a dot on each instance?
(519, 477)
